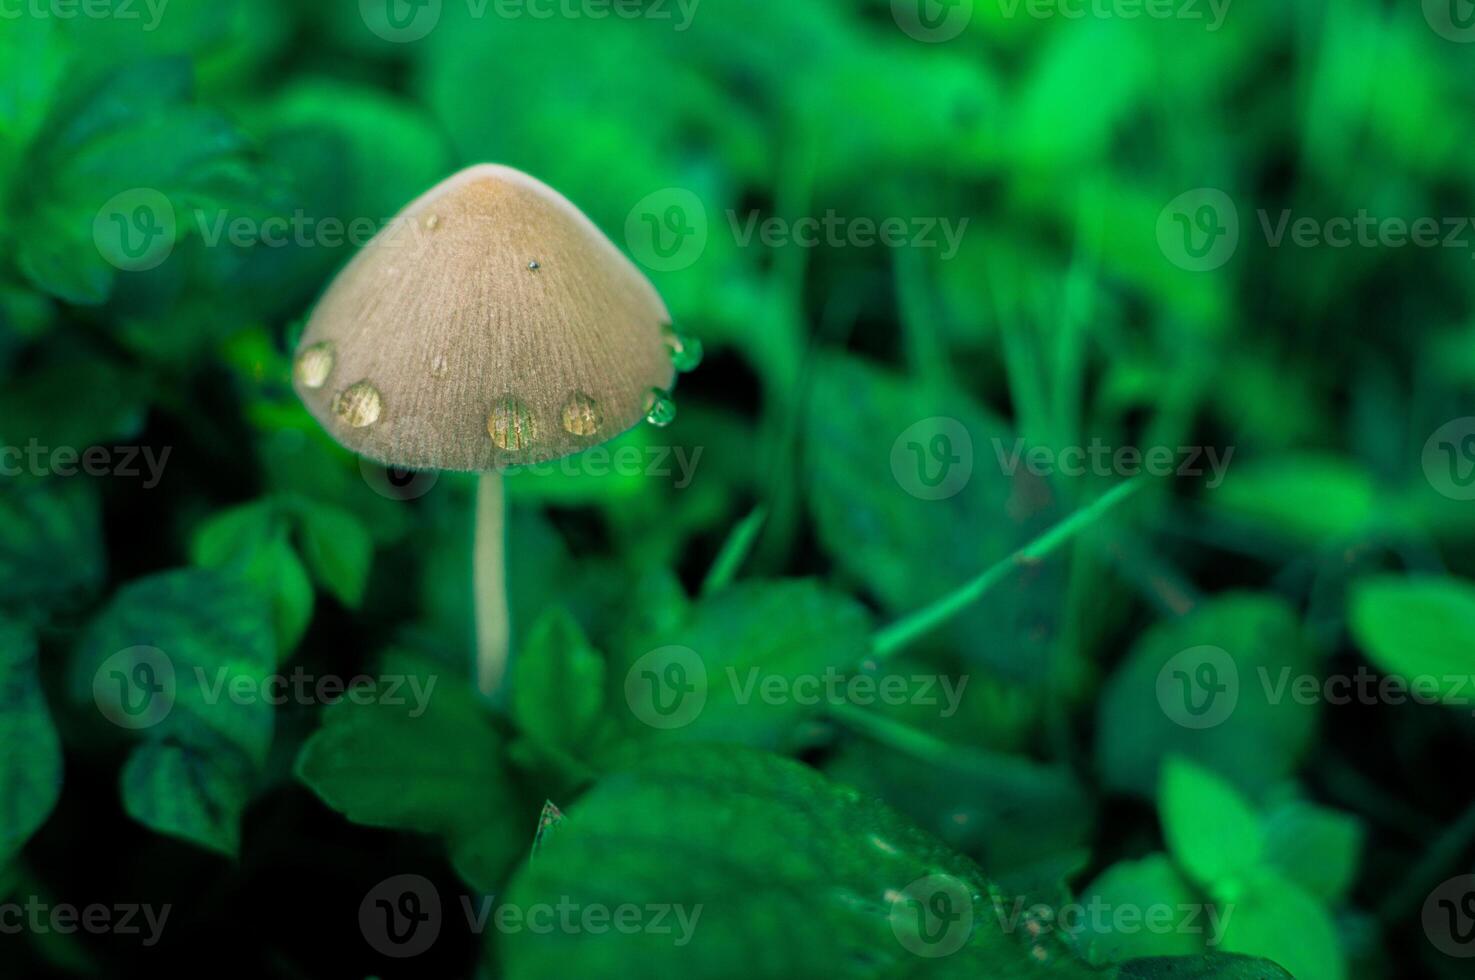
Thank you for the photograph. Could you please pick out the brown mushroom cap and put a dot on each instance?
(491, 324)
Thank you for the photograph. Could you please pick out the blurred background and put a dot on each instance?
(958, 270)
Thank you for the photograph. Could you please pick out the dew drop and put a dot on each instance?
(315, 364)
(685, 350)
(511, 425)
(432, 222)
(581, 415)
(883, 845)
(534, 265)
(660, 409)
(358, 405)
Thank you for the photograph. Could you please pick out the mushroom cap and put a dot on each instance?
(490, 324)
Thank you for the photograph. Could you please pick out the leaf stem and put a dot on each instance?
(735, 551)
(1436, 861)
(892, 638)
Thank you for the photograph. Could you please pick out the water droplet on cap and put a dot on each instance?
(660, 409)
(581, 415)
(432, 222)
(534, 265)
(358, 405)
(685, 351)
(315, 364)
(511, 425)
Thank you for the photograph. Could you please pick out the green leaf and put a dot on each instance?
(105, 401)
(1212, 831)
(1274, 918)
(870, 435)
(194, 648)
(337, 547)
(1210, 966)
(35, 55)
(1420, 629)
(731, 670)
(558, 682)
(1307, 499)
(1140, 889)
(30, 751)
(1317, 848)
(385, 151)
(51, 548)
(737, 844)
(1214, 686)
(1008, 811)
(253, 541)
(196, 790)
(433, 764)
(131, 129)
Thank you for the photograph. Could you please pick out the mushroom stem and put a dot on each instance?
(490, 576)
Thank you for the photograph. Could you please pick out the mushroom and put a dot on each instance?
(489, 325)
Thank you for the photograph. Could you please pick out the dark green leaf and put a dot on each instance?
(182, 658)
(51, 549)
(30, 752)
(744, 665)
(1216, 686)
(557, 683)
(337, 547)
(433, 764)
(738, 844)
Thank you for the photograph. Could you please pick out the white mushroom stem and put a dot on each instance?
(490, 576)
